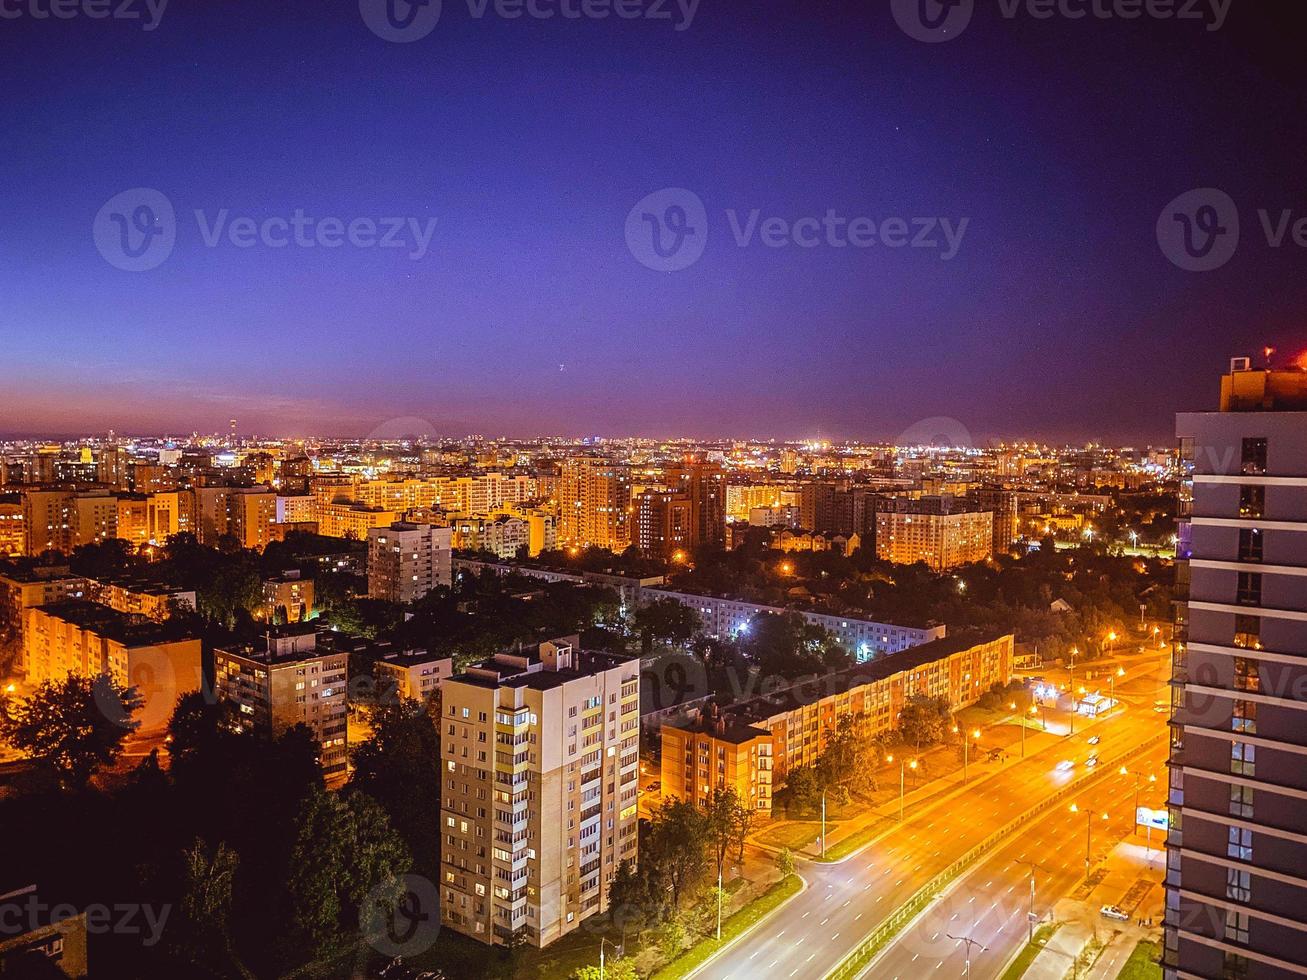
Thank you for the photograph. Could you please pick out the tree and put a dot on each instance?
(618, 969)
(666, 620)
(924, 720)
(72, 727)
(344, 850)
(849, 759)
(672, 940)
(203, 934)
(399, 767)
(802, 789)
(785, 862)
(745, 818)
(787, 645)
(677, 848)
(723, 825)
(631, 904)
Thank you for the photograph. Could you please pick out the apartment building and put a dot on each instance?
(298, 676)
(21, 588)
(724, 616)
(406, 561)
(160, 660)
(287, 598)
(140, 597)
(594, 503)
(13, 529)
(415, 674)
(541, 757)
(800, 719)
(943, 540)
(1236, 900)
(712, 752)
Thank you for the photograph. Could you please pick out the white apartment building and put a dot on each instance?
(541, 766)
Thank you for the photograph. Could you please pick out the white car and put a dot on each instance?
(1091, 761)
(1066, 765)
(1114, 912)
(1095, 739)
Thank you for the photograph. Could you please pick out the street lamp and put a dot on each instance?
(904, 765)
(966, 751)
(1119, 672)
(1089, 835)
(1030, 915)
(1139, 776)
(970, 942)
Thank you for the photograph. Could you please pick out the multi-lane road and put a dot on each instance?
(814, 932)
(990, 903)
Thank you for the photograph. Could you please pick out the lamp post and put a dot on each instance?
(1089, 836)
(904, 765)
(966, 750)
(1030, 915)
(1071, 687)
(1139, 776)
(970, 942)
(1119, 672)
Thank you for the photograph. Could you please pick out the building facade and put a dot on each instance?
(594, 503)
(1236, 901)
(299, 676)
(406, 561)
(541, 765)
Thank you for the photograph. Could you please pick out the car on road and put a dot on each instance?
(653, 787)
(1161, 708)
(1095, 739)
(1066, 765)
(1114, 912)
(1091, 761)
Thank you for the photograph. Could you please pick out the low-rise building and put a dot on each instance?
(415, 674)
(800, 719)
(287, 598)
(713, 752)
(160, 660)
(141, 597)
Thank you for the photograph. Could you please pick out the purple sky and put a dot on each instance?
(529, 141)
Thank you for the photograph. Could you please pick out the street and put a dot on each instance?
(813, 933)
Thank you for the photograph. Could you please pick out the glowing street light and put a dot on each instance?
(904, 765)
(1089, 835)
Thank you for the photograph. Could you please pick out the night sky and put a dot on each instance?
(529, 141)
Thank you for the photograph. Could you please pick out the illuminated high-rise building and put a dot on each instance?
(594, 503)
(1236, 900)
(540, 764)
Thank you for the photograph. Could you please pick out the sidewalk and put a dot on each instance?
(1129, 877)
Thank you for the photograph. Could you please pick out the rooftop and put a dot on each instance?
(879, 669)
(125, 628)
